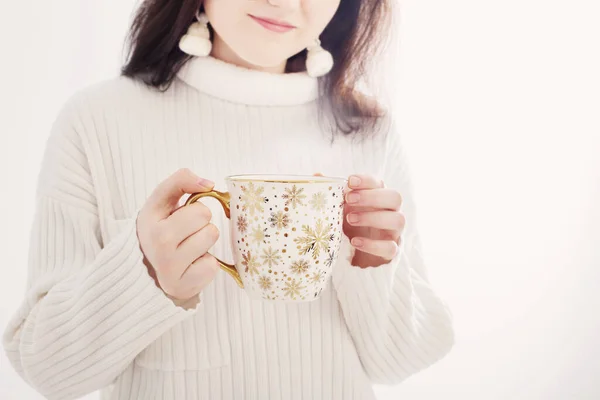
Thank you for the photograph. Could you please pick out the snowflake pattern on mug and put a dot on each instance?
(265, 282)
(315, 239)
(242, 224)
(251, 263)
(318, 201)
(293, 288)
(300, 267)
(252, 198)
(294, 196)
(287, 236)
(279, 220)
(271, 257)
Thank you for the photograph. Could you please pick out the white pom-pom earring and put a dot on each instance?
(196, 42)
(318, 61)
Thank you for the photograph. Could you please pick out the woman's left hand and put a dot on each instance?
(373, 221)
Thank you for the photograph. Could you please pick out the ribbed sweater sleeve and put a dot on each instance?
(398, 323)
(90, 306)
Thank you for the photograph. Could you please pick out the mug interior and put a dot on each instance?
(284, 178)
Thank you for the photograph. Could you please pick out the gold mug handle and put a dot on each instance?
(223, 198)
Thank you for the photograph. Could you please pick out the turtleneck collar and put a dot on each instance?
(246, 86)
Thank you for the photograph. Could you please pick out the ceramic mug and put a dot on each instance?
(285, 233)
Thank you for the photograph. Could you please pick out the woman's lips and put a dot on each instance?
(273, 25)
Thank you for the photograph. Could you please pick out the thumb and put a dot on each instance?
(167, 194)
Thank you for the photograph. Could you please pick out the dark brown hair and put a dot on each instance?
(353, 37)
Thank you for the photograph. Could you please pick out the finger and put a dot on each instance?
(166, 195)
(195, 247)
(199, 274)
(364, 182)
(318, 174)
(386, 220)
(386, 249)
(187, 220)
(381, 199)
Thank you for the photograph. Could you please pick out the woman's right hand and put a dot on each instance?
(175, 241)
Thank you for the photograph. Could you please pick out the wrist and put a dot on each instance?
(151, 272)
(187, 304)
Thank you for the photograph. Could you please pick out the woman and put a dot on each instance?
(123, 296)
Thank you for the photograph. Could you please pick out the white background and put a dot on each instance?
(500, 105)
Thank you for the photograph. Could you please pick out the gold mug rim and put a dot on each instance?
(299, 179)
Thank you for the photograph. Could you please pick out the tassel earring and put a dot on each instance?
(318, 61)
(196, 42)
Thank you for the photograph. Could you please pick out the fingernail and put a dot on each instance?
(353, 198)
(357, 242)
(206, 183)
(354, 181)
(353, 218)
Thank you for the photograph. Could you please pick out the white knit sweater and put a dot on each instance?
(93, 319)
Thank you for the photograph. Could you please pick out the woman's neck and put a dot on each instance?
(223, 52)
